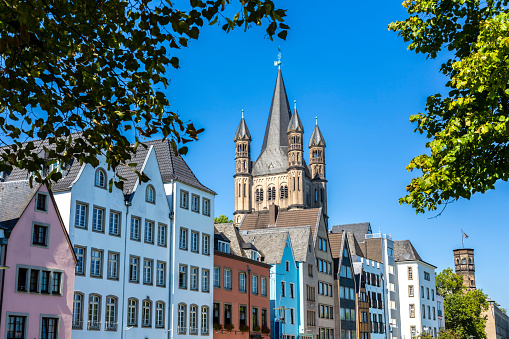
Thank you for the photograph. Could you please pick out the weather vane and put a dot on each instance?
(278, 62)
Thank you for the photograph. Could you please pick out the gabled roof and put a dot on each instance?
(335, 241)
(316, 138)
(359, 230)
(292, 218)
(355, 249)
(274, 153)
(299, 237)
(242, 132)
(405, 251)
(14, 198)
(270, 244)
(230, 231)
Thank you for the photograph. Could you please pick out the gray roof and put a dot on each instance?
(274, 154)
(405, 251)
(271, 245)
(14, 197)
(359, 230)
(295, 124)
(316, 138)
(299, 236)
(231, 232)
(128, 173)
(242, 131)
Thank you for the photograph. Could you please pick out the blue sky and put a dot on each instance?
(342, 65)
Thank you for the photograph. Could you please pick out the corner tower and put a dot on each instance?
(464, 265)
(296, 170)
(243, 178)
(317, 166)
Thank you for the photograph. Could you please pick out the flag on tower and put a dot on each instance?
(464, 235)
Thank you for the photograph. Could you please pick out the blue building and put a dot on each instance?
(275, 247)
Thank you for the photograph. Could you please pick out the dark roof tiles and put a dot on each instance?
(405, 251)
(14, 197)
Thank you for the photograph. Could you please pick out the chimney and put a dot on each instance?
(273, 209)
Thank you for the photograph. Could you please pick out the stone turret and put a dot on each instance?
(317, 166)
(296, 173)
(464, 265)
(243, 178)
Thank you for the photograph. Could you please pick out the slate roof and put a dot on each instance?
(299, 236)
(335, 241)
(293, 218)
(405, 251)
(271, 245)
(14, 197)
(355, 249)
(274, 153)
(359, 230)
(295, 124)
(126, 172)
(316, 138)
(230, 231)
(242, 132)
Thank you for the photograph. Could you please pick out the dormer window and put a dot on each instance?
(100, 178)
(255, 255)
(150, 194)
(41, 202)
(223, 246)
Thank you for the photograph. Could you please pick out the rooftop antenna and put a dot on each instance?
(278, 62)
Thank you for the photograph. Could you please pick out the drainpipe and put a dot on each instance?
(126, 264)
(249, 312)
(3, 260)
(171, 248)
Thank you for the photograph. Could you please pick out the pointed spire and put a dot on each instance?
(317, 137)
(242, 131)
(279, 117)
(295, 124)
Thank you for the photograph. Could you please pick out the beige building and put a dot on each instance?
(497, 322)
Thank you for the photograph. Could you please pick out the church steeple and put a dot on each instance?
(242, 170)
(317, 163)
(296, 164)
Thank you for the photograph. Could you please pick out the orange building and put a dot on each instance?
(241, 287)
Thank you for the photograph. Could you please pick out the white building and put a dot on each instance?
(372, 279)
(417, 292)
(130, 250)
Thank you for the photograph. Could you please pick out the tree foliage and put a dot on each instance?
(462, 308)
(98, 68)
(468, 129)
(222, 219)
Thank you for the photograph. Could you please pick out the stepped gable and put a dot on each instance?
(274, 153)
(405, 251)
(299, 236)
(359, 230)
(270, 244)
(14, 198)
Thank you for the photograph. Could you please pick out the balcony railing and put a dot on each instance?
(181, 330)
(205, 330)
(111, 326)
(94, 325)
(77, 324)
(193, 330)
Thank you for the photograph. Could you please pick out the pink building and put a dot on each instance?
(37, 289)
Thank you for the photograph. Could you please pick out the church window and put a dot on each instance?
(244, 189)
(283, 192)
(259, 194)
(463, 261)
(239, 190)
(271, 193)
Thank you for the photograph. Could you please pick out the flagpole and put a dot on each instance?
(462, 241)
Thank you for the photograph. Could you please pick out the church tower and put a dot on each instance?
(464, 266)
(296, 173)
(317, 165)
(243, 178)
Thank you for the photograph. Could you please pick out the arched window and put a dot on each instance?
(100, 178)
(111, 313)
(463, 261)
(271, 193)
(150, 195)
(159, 314)
(283, 192)
(132, 312)
(94, 310)
(193, 319)
(470, 261)
(182, 319)
(259, 194)
(204, 320)
(146, 313)
(77, 310)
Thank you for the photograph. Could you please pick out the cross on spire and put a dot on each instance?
(278, 62)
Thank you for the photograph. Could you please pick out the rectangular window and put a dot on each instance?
(148, 265)
(242, 282)
(41, 202)
(159, 314)
(413, 331)
(34, 280)
(412, 311)
(310, 293)
(135, 228)
(390, 252)
(183, 239)
(311, 319)
(264, 318)
(426, 276)
(195, 203)
(206, 207)
(410, 273)
(292, 316)
(134, 268)
(195, 246)
(183, 276)
(161, 273)
(423, 312)
(263, 286)
(227, 314)
(114, 223)
(184, 199)
(45, 281)
(80, 219)
(205, 277)
(292, 290)
(217, 275)
(80, 256)
(49, 328)
(255, 316)
(254, 284)
(16, 327)
(287, 266)
(98, 220)
(56, 282)
(205, 244)
(40, 235)
(410, 290)
(96, 257)
(310, 270)
(193, 283)
(113, 259)
(161, 234)
(227, 280)
(149, 231)
(283, 289)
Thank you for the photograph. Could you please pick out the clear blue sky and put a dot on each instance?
(342, 65)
